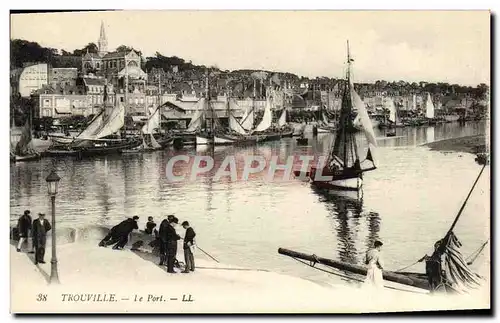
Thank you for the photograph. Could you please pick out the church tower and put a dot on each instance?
(103, 42)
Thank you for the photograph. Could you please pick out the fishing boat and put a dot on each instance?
(392, 120)
(447, 270)
(149, 142)
(95, 138)
(343, 168)
(429, 111)
(286, 130)
(23, 149)
(324, 125)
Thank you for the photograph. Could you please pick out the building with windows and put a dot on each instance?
(113, 65)
(63, 77)
(32, 78)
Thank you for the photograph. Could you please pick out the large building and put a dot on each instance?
(122, 69)
(32, 78)
(62, 77)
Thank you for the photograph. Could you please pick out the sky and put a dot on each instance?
(433, 46)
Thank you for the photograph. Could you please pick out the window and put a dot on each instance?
(136, 100)
(46, 102)
(141, 100)
(97, 64)
(121, 99)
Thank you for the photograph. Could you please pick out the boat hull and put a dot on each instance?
(95, 151)
(216, 140)
(61, 140)
(30, 157)
(348, 179)
(343, 184)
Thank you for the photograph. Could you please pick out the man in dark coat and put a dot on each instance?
(150, 225)
(162, 239)
(40, 228)
(169, 240)
(119, 233)
(24, 227)
(187, 245)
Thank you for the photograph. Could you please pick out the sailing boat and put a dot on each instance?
(446, 269)
(236, 130)
(429, 110)
(24, 150)
(392, 118)
(92, 140)
(343, 166)
(147, 131)
(324, 125)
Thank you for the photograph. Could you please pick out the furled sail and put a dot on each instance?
(154, 143)
(247, 119)
(429, 107)
(113, 123)
(282, 119)
(94, 125)
(152, 123)
(25, 146)
(266, 119)
(197, 120)
(363, 117)
(325, 119)
(392, 110)
(235, 125)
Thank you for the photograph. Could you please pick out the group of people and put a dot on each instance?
(166, 239)
(37, 229)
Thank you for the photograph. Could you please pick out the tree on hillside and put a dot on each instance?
(91, 48)
(23, 51)
(124, 48)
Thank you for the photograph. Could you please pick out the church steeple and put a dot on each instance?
(103, 42)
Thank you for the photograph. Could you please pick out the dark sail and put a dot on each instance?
(23, 146)
(344, 149)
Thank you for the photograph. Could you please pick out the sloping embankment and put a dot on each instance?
(469, 144)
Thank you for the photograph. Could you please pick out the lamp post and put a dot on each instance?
(52, 182)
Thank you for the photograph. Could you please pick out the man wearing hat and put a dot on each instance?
(24, 228)
(119, 233)
(40, 228)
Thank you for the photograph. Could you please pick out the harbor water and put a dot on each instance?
(408, 202)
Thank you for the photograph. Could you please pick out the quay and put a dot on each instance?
(104, 280)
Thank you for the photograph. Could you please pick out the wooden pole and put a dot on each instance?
(465, 202)
(388, 275)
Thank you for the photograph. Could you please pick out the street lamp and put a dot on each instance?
(52, 182)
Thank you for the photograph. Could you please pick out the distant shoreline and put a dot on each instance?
(469, 144)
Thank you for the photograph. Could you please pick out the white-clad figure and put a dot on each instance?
(375, 266)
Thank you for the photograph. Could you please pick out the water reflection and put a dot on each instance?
(345, 209)
(429, 134)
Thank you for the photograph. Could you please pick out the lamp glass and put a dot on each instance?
(52, 187)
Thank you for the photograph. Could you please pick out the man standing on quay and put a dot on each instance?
(24, 227)
(188, 245)
(40, 228)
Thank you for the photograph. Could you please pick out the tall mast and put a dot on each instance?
(159, 96)
(206, 95)
(347, 94)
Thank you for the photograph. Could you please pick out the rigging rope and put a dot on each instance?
(476, 253)
(351, 278)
